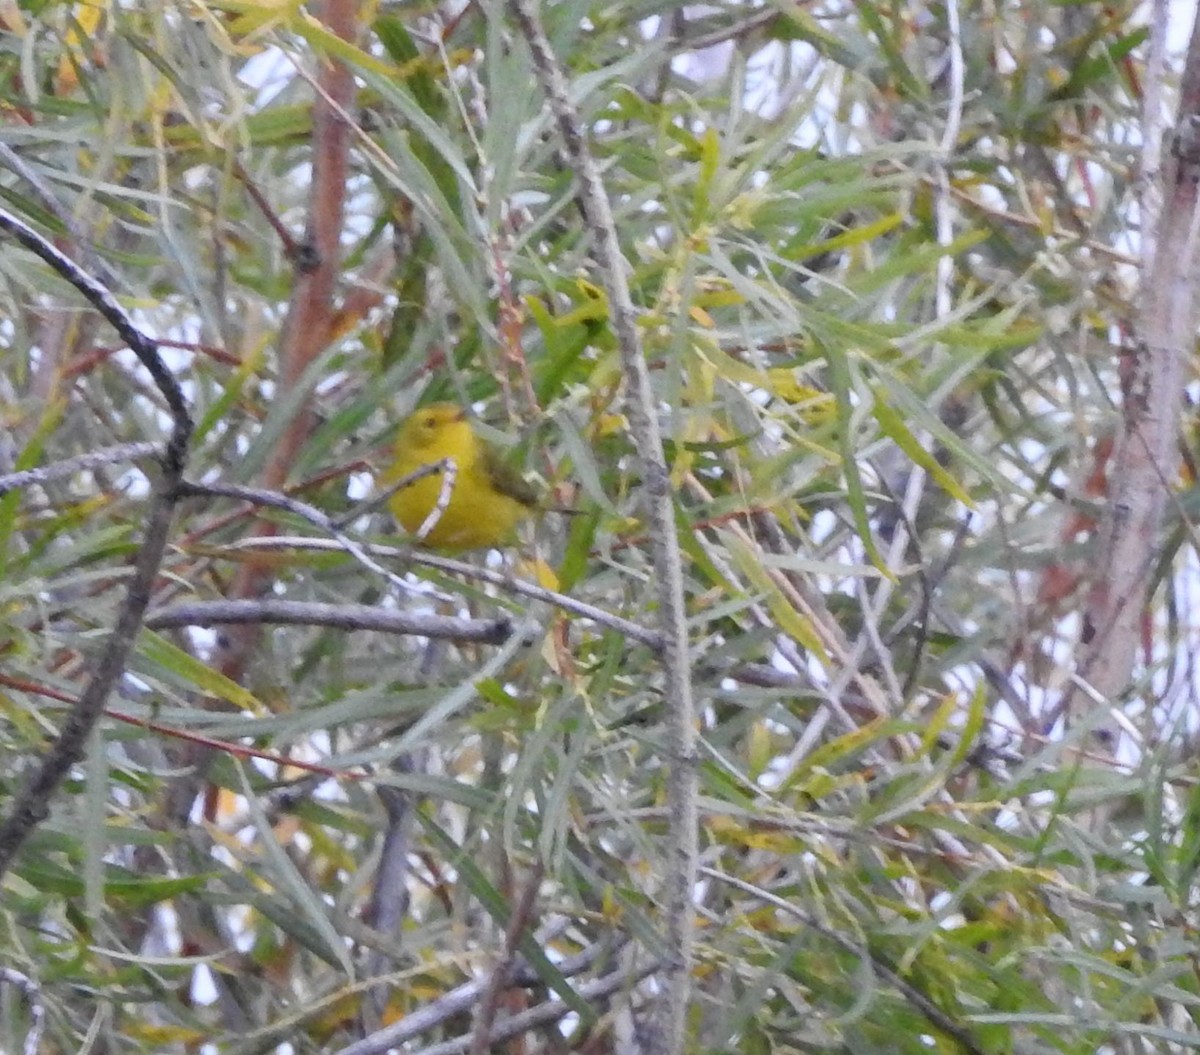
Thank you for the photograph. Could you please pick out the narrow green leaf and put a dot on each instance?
(195, 673)
(894, 428)
(839, 376)
(287, 879)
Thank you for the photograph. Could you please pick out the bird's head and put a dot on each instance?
(431, 425)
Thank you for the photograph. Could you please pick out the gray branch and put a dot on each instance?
(340, 616)
(466, 996)
(682, 854)
(32, 804)
(125, 452)
(522, 587)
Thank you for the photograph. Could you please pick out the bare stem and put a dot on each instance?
(32, 804)
(347, 617)
(681, 861)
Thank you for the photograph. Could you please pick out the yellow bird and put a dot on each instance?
(487, 500)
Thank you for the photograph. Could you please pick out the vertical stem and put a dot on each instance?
(680, 878)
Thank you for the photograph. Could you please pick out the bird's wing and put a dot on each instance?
(505, 479)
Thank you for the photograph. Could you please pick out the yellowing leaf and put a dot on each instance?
(894, 427)
(540, 572)
(14, 22)
(816, 406)
(337, 1014)
(938, 721)
(792, 622)
(610, 906)
(759, 749)
(606, 425)
(161, 1036)
(255, 18)
(197, 673)
(86, 18)
(331, 44)
(833, 752)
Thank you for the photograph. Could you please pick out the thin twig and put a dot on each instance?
(382, 497)
(32, 803)
(290, 249)
(1035, 223)
(349, 617)
(682, 854)
(448, 467)
(464, 997)
(37, 1009)
(874, 607)
(755, 22)
(626, 628)
(502, 972)
(389, 899)
(171, 732)
(125, 452)
(949, 143)
(544, 1014)
(276, 500)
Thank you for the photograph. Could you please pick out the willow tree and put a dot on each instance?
(838, 699)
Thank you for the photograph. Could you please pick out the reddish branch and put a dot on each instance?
(1153, 380)
(311, 312)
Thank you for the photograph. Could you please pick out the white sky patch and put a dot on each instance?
(268, 73)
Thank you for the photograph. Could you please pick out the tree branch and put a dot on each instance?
(70, 466)
(680, 878)
(1153, 376)
(32, 804)
(652, 639)
(539, 1015)
(347, 617)
(309, 323)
